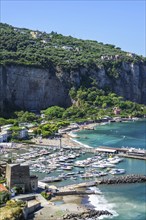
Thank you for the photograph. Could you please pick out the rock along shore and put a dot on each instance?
(133, 178)
(124, 179)
(89, 214)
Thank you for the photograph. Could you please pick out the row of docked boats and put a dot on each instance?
(91, 167)
(54, 164)
(87, 175)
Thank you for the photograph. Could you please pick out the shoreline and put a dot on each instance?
(65, 205)
(67, 137)
(73, 204)
(70, 204)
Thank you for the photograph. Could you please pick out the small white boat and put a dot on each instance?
(109, 165)
(117, 171)
(102, 166)
(67, 168)
(87, 175)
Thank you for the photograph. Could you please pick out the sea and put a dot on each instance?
(124, 201)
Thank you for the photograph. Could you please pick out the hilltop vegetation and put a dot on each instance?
(21, 46)
(35, 48)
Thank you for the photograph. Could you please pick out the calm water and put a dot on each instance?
(131, 134)
(127, 201)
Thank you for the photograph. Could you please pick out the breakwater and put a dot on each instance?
(114, 180)
(124, 179)
(89, 214)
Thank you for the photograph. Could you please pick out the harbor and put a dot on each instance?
(67, 164)
(70, 169)
(75, 189)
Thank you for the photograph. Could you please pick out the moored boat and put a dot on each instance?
(117, 171)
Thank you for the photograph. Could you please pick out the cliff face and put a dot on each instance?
(29, 88)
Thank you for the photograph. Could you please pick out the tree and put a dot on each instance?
(73, 93)
(26, 116)
(54, 112)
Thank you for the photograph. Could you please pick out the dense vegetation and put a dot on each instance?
(92, 104)
(35, 48)
(26, 47)
(88, 104)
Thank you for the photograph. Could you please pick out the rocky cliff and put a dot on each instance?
(30, 88)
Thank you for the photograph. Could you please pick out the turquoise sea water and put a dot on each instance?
(131, 134)
(126, 201)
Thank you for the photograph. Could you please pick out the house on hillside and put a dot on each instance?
(116, 110)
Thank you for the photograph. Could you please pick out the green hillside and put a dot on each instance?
(24, 46)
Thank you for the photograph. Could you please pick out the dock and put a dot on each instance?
(123, 152)
(76, 192)
(132, 156)
(126, 179)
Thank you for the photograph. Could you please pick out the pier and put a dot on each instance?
(132, 156)
(123, 152)
(74, 189)
(76, 192)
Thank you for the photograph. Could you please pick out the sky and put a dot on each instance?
(119, 22)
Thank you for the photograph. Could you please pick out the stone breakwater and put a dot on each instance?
(89, 214)
(114, 180)
(124, 179)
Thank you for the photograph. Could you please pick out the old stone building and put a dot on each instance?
(19, 175)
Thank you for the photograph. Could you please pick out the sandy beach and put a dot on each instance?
(68, 205)
(66, 139)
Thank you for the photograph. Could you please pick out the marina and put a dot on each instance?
(80, 167)
(60, 166)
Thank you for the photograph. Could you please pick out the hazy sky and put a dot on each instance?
(121, 23)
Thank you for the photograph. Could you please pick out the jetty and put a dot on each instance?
(126, 179)
(132, 156)
(76, 192)
(123, 152)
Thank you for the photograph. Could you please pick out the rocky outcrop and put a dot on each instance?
(89, 214)
(31, 88)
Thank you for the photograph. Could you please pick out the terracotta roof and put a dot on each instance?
(2, 188)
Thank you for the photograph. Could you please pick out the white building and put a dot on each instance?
(23, 133)
(4, 136)
(6, 127)
(1, 138)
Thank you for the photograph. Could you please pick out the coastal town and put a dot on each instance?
(48, 169)
(72, 110)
